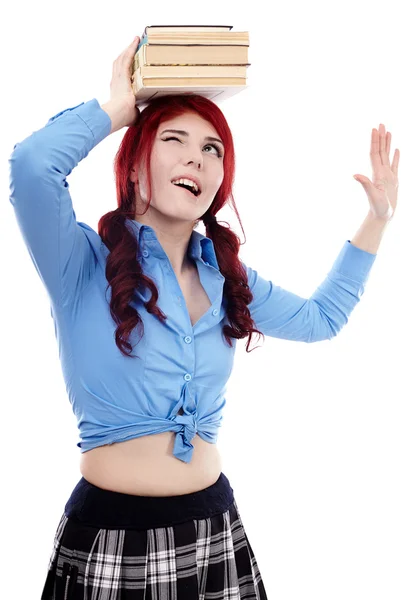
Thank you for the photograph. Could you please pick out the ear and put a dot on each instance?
(134, 175)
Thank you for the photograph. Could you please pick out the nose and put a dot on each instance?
(196, 158)
(198, 163)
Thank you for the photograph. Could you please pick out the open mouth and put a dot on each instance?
(191, 191)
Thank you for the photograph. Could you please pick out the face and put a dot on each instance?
(186, 154)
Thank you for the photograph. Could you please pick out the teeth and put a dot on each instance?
(187, 182)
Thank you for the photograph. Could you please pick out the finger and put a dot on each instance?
(395, 162)
(374, 151)
(129, 51)
(388, 140)
(128, 56)
(382, 146)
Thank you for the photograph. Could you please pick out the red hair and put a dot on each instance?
(123, 270)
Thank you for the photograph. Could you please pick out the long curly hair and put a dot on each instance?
(123, 270)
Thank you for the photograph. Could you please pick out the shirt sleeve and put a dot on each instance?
(39, 194)
(282, 314)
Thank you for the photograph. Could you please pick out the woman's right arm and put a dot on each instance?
(39, 165)
(59, 246)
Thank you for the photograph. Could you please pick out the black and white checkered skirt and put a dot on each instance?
(115, 546)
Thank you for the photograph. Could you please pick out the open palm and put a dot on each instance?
(382, 192)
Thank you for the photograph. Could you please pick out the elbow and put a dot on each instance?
(29, 152)
(331, 328)
(25, 163)
(323, 327)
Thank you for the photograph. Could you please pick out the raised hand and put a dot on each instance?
(121, 83)
(382, 193)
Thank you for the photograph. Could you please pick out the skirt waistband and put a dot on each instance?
(97, 507)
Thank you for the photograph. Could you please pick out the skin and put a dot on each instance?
(382, 193)
(173, 211)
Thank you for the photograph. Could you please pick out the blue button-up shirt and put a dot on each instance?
(180, 365)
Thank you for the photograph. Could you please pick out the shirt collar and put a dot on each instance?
(200, 247)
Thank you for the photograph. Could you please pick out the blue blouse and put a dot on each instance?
(116, 398)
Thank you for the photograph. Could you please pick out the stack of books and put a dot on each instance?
(210, 60)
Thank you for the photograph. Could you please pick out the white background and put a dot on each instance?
(318, 440)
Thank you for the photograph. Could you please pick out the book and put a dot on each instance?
(149, 54)
(228, 38)
(217, 94)
(192, 71)
(186, 81)
(167, 29)
(210, 61)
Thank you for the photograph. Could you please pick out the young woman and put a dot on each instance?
(153, 515)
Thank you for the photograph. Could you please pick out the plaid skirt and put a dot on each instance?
(115, 546)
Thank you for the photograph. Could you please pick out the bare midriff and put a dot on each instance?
(146, 466)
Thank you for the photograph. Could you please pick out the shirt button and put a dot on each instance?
(215, 312)
(145, 253)
(206, 262)
(187, 377)
(187, 339)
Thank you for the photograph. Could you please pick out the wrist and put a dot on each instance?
(118, 110)
(371, 217)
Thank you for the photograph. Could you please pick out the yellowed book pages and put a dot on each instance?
(230, 38)
(167, 29)
(191, 55)
(194, 71)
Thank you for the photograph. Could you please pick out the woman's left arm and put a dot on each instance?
(370, 234)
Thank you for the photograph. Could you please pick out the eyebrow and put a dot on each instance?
(181, 132)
